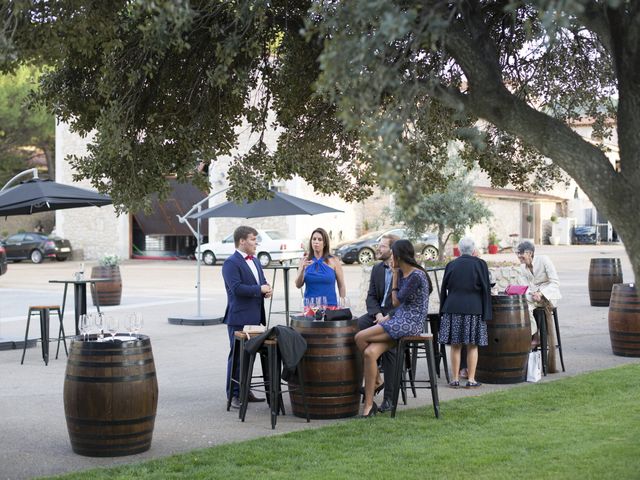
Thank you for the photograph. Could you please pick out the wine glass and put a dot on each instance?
(113, 324)
(322, 304)
(312, 305)
(129, 324)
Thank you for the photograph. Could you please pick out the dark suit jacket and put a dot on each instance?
(376, 292)
(466, 288)
(245, 303)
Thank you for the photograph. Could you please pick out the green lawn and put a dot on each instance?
(582, 427)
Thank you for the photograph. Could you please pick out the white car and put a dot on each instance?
(272, 246)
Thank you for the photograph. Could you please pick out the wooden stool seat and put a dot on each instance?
(45, 311)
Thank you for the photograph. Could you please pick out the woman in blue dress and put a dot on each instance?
(410, 289)
(319, 271)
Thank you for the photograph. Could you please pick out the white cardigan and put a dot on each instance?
(543, 279)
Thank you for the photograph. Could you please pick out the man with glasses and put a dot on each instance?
(379, 308)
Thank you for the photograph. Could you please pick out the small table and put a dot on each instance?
(285, 272)
(79, 296)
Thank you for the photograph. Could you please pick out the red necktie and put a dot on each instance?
(249, 257)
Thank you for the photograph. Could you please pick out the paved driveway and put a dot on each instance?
(191, 361)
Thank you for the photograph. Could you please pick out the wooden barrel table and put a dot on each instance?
(110, 396)
(332, 369)
(505, 359)
(604, 273)
(110, 292)
(624, 320)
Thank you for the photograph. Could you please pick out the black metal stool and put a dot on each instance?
(539, 316)
(432, 324)
(271, 383)
(45, 311)
(405, 347)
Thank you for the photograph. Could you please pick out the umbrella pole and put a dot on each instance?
(197, 319)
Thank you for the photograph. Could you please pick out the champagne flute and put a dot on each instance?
(84, 326)
(99, 323)
(137, 324)
(344, 302)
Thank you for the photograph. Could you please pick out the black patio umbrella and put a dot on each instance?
(280, 204)
(38, 195)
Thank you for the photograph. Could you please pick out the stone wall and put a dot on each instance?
(92, 231)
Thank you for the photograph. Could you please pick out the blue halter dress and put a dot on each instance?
(320, 281)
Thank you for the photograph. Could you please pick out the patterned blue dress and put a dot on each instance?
(320, 281)
(409, 317)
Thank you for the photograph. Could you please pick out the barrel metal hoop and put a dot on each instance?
(128, 378)
(132, 363)
(334, 358)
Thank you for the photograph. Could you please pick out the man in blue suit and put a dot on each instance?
(246, 288)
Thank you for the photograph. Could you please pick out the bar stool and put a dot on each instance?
(405, 347)
(271, 383)
(45, 311)
(539, 316)
(432, 324)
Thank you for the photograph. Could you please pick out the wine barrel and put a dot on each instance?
(504, 359)
(624, 320)
(604, 273)
(110, 396)
(108, 293)
(332, 369)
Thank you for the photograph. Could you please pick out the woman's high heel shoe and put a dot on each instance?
(372, 412)
(379, 388)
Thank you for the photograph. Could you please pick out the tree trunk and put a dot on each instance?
(442, 242)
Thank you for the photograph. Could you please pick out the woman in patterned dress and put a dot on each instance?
(410, 289)
(465, 305)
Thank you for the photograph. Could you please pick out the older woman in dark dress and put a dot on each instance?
(465, 305)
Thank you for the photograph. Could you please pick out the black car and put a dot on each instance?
(36, 247)
(3, 260)
(362, 249)
(585, 234)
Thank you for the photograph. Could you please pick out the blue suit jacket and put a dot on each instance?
(245, 303)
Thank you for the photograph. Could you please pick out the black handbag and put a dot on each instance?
(339, 314)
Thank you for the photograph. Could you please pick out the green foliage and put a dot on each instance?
(23, 127)
(476, 437)
(492, 238)
(109, 261)
(365, 92)
(449, 210)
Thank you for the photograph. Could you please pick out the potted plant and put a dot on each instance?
(455, 237)
(493, 243)
(108, 292)
(553, 239)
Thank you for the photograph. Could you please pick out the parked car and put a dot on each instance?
(362, 249)
(272, 246)
(3, 260)
(585, 234)
(36, 247)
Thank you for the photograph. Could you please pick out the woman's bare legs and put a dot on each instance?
(472, 361)
(372, 342)
(456, 348)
